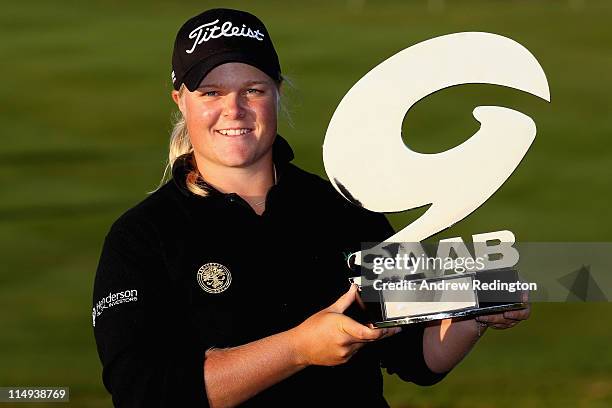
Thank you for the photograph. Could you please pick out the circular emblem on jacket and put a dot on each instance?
(214, 277)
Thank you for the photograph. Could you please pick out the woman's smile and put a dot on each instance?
(234, 131)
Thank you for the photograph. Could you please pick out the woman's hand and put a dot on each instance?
(330, 338)
(507, 319)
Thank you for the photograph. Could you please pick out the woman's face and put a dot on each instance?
(232, 116)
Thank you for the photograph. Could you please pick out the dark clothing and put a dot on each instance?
(154, 319)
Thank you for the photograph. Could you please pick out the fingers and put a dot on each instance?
(344, 301)
(389, 331)
(361, 333)
(386, 331)
(497, 321)
(357, 331)
(518, 315)
(505, 320)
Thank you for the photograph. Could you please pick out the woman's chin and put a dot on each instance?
(237, 160)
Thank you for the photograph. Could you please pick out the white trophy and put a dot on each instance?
(368, 163)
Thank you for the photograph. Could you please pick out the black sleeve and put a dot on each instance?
(402, 354)
(149, 355)
(366, 226)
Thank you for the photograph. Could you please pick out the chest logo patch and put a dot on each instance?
(214, 277)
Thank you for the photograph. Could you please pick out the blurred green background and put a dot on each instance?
(85, 113)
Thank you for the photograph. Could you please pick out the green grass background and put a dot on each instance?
(85, 115)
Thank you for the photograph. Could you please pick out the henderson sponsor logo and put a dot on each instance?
(130, 295)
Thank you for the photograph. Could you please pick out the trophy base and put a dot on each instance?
(449, 315)
(388, 308)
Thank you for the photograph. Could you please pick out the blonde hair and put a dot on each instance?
(180, 144)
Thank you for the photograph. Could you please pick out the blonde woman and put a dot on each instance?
(228, 285)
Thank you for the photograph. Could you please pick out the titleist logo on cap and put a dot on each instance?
(205, 32)
(220, 36)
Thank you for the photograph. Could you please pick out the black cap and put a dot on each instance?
(218, 36)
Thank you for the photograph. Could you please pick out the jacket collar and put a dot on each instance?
(282, 154)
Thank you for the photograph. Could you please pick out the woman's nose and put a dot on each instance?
(234, 106)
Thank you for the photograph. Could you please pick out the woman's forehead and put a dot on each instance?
(235, 74)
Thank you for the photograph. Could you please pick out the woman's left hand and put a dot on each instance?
(505, 320)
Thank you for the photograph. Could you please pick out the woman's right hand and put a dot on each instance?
(330, 338)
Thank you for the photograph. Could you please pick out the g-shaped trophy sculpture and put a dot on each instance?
(369, 164)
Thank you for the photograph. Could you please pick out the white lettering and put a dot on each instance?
(497, 285)
(112, 299)
(496, 243)
(205, 33)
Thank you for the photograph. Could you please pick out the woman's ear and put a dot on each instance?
(176, 97)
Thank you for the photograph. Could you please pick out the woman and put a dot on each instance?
(228, 285)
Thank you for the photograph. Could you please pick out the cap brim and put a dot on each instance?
(195, 75)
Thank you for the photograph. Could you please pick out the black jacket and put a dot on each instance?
(162, 296)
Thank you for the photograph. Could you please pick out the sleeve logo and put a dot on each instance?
(113, 299)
